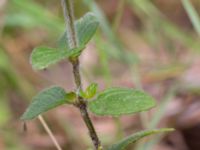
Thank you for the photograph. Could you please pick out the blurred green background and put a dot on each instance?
(149, 44)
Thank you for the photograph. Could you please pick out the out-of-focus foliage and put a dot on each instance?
(194, 17)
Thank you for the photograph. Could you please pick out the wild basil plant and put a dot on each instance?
(115, 101)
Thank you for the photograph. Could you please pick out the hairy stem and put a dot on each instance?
(69, 20)
(81, 103)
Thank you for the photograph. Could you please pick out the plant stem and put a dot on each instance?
(44, 124)
(69, 20)
(81, 103)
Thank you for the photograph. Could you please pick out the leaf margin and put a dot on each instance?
(99, 112)
(122, 144)
(30, 114)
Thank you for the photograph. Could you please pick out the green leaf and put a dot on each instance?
(85, 28)
(44, 101)
(90, 91)
(42, 57)
(121, 145)
(120, 101)
(63, 42)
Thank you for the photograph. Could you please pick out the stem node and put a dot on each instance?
(81, 103)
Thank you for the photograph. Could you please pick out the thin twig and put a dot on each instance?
(48, 130)
(81, 103)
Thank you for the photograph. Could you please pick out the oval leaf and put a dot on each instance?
(85, 28)
(121, 145)
(42, 57)
(44, 101)
(120, 101)
(63, 41)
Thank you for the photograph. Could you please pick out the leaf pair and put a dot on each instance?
(85, 28)
(113, 101)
